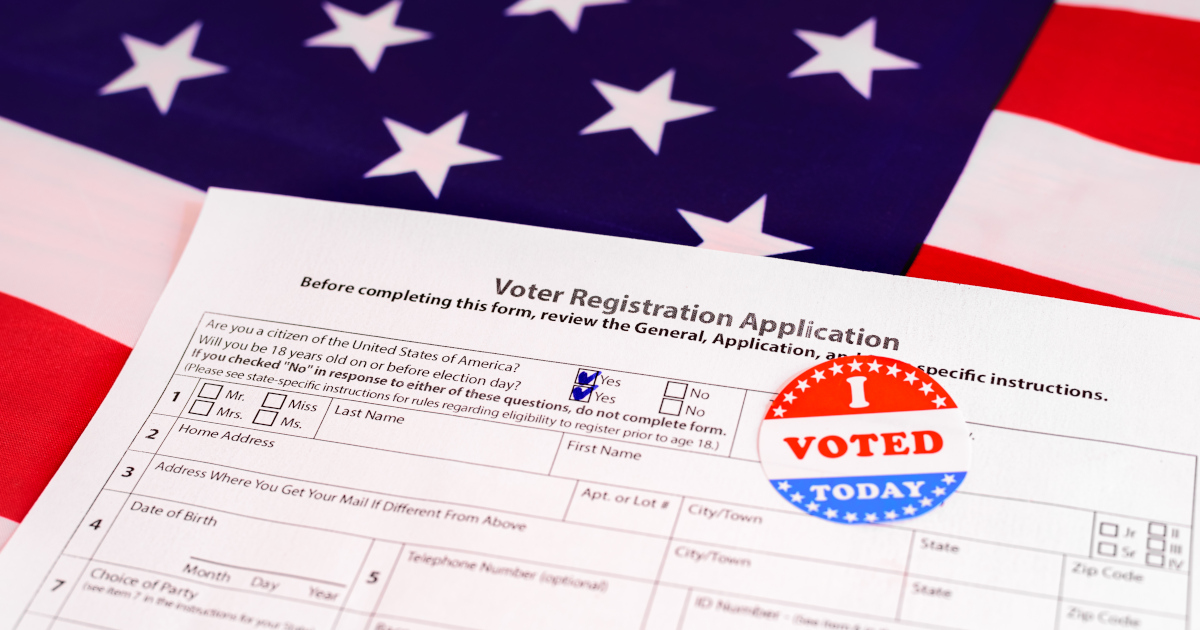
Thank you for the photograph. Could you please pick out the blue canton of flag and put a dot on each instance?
(827, 131)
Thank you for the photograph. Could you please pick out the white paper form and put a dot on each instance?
(351, 417)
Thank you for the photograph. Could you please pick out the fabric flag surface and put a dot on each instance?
(853, 133)
(1086, 179)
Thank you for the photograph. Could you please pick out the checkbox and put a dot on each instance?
(676, 390)
(670, 406)
(1107, 549)
(581, 394)
(265, 418)
(1156, 544)
(1154, 559)
(274, 401)
(1158, 529)
(209, 390)
(1108, 529)
(586, 378)
(201, 407)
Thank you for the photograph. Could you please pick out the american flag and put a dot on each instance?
(1018, 144)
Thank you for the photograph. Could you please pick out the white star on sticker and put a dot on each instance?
(874, 366)
(835, 368)
(818, 375)
(785, 486)
(927, 388)
(889, 515)
(871, 518)
(812, 506)
(831, 513)
(911, 377)
(569, 11)
(855, 366)
(802, 385)
(742, 234)
(926, 502)
(645, 112)
(851, 517)
(939, 491)
(789, 398)
(910, 510)
(939, 401)
(160, 69)
(368, 35)
(853, 55)
(779, 411)
(797, 497)
(429, 155)
(948, 479)
(893, 370)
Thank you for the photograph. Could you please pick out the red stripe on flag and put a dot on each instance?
(55, 375)
(935, 263)
(1126, 78)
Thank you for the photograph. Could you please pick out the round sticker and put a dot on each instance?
(864, 439)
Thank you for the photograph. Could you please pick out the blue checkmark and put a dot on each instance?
(584, 379)
(579, 393)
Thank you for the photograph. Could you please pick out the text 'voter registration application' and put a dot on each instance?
(342, 417)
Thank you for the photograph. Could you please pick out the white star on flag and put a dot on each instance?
(874, 366)
(948, 479)
(789, 398)
(429, 155)
(368, 35)
(939, 401)
(785, 486)
(645, 112)
(569, 11)
(853, 55)
(855, 366)
(742, 234)
(160, 69)
(779, 411)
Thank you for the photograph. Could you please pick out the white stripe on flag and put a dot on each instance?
(1054, 202)
(86, 235)
(1185, 9)
(7, 528)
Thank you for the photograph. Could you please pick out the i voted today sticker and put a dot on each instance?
(864, 439)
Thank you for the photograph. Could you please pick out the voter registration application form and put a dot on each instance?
(344, 417)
